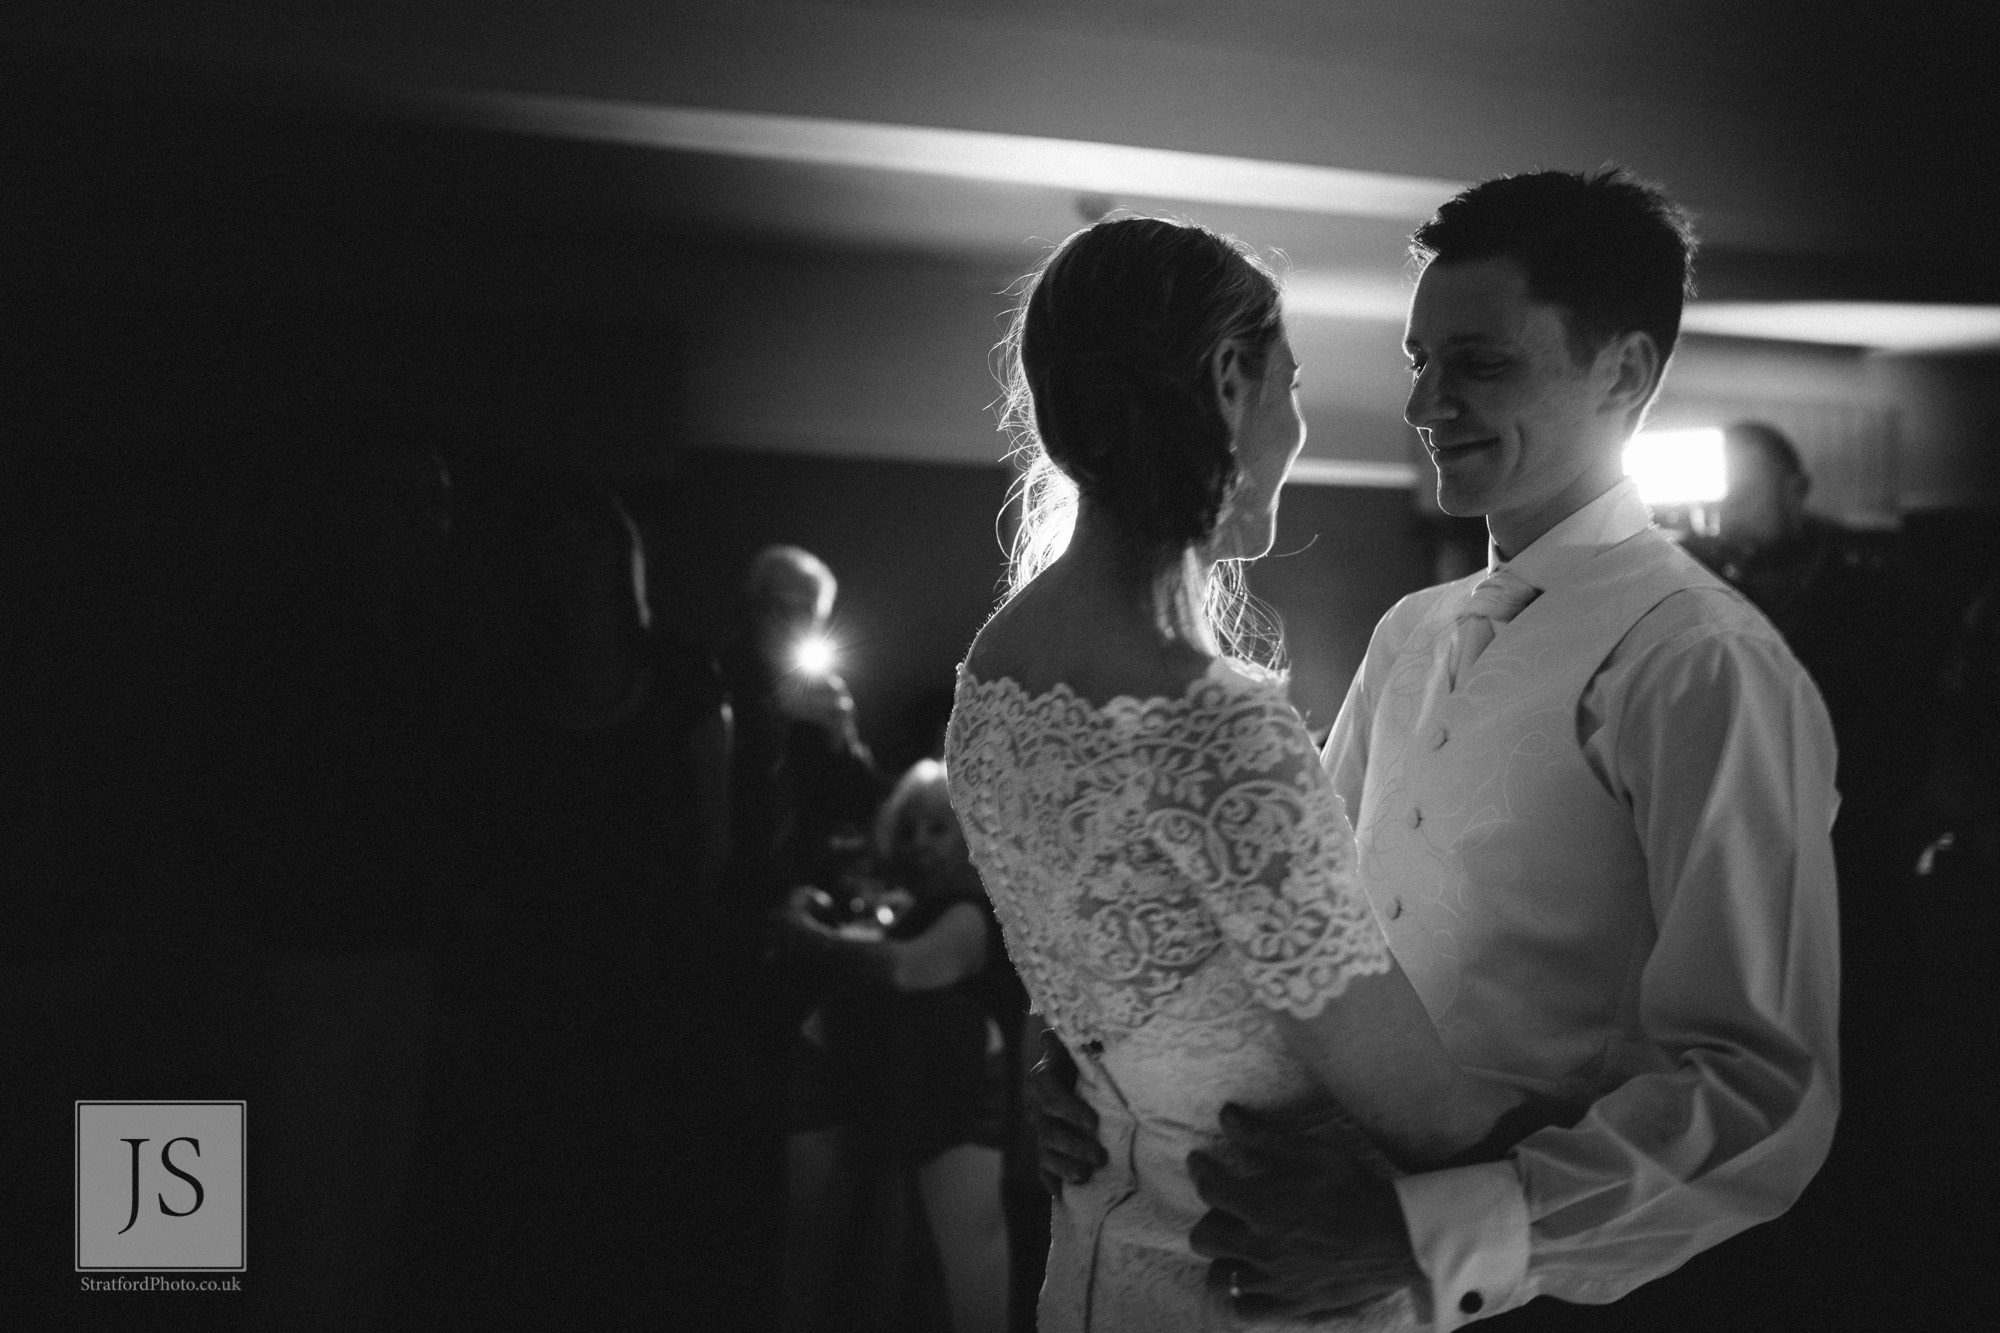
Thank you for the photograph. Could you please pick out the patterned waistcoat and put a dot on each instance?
(1510, 880)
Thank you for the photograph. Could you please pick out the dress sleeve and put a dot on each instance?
(1243, 810)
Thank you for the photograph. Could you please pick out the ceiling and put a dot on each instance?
(1819, 147)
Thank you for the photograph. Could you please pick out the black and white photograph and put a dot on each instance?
(999, 666)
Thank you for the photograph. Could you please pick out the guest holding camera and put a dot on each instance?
(901, 1071)
(800, 772)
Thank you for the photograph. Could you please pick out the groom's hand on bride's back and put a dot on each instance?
(1066, 1147)
(1303, 1215)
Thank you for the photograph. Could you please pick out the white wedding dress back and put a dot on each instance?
(1167, 872)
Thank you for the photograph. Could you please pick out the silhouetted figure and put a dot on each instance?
(1959, 799)
(1949, 1057)
(577, 1150)
(1830, 592)
(803, 787)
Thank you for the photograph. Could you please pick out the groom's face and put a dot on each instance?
(1514, 423)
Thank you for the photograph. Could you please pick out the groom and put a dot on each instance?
(1592, 794)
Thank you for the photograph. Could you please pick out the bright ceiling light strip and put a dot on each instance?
(1885, 325)
(1384, 297)
(1017, 159)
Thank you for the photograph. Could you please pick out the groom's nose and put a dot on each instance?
(1428, 405)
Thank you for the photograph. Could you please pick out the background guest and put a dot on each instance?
(801, 774)
(1833, 593)
(802, 788)
(902, 1073)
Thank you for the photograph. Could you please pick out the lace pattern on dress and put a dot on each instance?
(1171, 868)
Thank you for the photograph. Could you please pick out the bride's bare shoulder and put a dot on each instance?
(1041, 639)
(1007, 644)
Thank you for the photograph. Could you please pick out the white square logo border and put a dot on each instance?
(128, 1155)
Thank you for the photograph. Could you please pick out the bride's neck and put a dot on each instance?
(1164, 586)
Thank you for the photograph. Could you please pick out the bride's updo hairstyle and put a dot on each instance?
(1110, 394)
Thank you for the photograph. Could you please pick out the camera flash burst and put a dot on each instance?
(814, 655)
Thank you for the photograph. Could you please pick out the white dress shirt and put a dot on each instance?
(1603, 859)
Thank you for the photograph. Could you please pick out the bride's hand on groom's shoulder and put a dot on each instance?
(1303, 1214)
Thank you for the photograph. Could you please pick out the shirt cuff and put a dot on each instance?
(1469, 1231)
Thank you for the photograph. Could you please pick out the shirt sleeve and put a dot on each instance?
(1721, 746)
(1253, 823)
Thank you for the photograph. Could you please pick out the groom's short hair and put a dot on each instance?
(1612, 250)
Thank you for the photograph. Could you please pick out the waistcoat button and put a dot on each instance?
(1416, 816)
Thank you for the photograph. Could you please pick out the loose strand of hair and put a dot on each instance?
(1247, 630)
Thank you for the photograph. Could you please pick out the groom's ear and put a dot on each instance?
(1636, 368)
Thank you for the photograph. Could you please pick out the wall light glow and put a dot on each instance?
(1677, 467)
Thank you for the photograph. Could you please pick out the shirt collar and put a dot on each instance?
(1612, 517)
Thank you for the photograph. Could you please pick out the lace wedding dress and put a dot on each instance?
(1167, 872)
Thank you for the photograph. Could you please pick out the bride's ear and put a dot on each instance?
(1229, 375)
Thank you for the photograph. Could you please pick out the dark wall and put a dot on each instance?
(140, 375)
(1343, 556)
(200, 276)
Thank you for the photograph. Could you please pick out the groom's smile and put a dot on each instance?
(1443, 450)
(1508, 412)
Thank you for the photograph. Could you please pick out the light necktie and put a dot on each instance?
(1496, 599)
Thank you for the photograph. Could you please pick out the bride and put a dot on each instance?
(1172, 869)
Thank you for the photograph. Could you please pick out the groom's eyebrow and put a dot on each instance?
(1458, 340)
